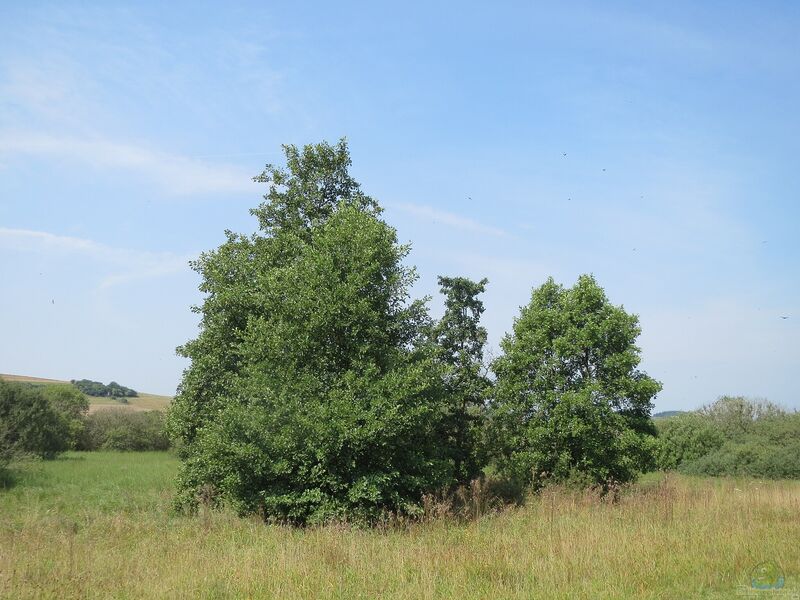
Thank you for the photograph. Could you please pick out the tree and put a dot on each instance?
(459, 340)
(310, 395)
(97, 389)
(570, 401)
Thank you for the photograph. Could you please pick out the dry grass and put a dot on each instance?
(99, 526)
(26, 379)
(142, 402)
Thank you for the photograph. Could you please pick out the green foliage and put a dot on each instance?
(570, 402)
(685, 438)
(734, 436)
(97, 389)
(8, 445)
(736, 415)
(459, 342)
(72, 405)
(117, 429)
(30, 424)
(310, 394)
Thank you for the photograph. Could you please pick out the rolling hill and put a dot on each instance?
(142, 402)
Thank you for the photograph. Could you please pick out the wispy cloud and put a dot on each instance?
(127, 265)
(177, 174)
(449, 219)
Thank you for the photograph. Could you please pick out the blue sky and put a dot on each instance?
(654, 146)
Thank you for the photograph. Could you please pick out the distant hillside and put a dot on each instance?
(142, 402)
(669, 413)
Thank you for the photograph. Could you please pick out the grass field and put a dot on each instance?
(99, 525)
(142, 402)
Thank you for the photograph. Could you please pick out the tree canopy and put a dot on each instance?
(311, 394)
(459, 340)
(570, 400)
(98, 389)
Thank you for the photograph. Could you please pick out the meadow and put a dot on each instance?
(101, 525)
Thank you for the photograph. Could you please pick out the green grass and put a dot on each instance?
(99, 525)
(81, 485)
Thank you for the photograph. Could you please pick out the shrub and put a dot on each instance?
(30, 423)
(73, 406)
(685, 438)
(770, 449)
(735, 415)
(119, 429)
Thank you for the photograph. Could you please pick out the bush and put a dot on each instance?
(734, 436)
(735, 415)
(31, 424)
(685, 438)
(73, 406)
(118, 429)
(770, 449)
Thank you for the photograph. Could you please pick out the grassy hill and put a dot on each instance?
(142, 402)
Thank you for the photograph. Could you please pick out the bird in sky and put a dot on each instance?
(784, 317)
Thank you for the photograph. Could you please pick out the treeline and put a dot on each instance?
(98, 389)
(46, 420)
(734, 436)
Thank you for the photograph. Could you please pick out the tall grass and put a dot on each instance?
(99, 525)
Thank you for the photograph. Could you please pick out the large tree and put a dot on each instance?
(310, 395)
(459, 339)
(570, 400)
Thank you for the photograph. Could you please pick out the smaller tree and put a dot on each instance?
(459, 340)
(570, 401)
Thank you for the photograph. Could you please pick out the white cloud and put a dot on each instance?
(450, 219)
(177, 174)
(128, 265)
